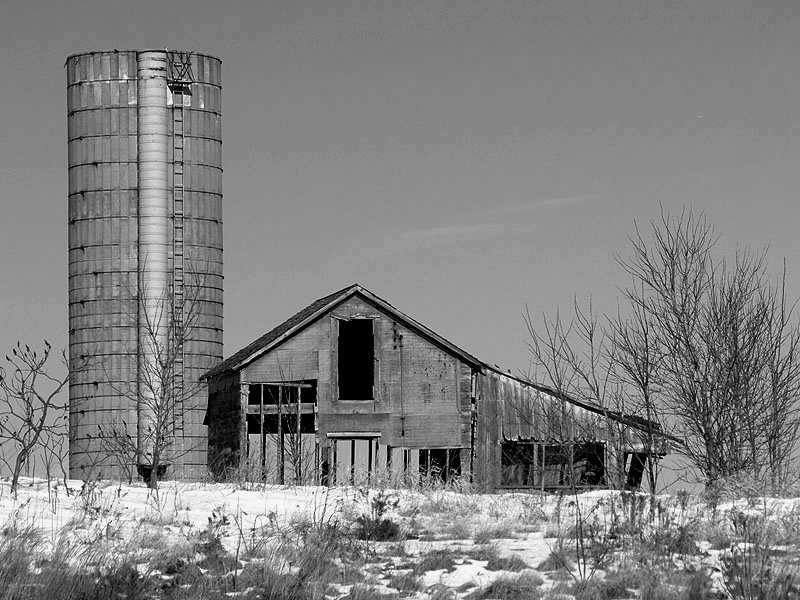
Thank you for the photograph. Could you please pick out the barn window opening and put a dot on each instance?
(443, 464)
(282, 432)
(356, 360)
(288, 425)
(518, 464)
(548, 466)
(282, 393)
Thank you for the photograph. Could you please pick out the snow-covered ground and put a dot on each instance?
(464, 532)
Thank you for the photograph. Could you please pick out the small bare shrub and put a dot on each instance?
(376, 526)
(532, 509)
(676, 537)
(628, 514)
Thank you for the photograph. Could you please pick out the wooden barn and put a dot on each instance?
(351, 389)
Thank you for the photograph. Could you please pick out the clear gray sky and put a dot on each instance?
(458, 158)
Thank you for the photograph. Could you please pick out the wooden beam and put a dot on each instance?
(272, 409)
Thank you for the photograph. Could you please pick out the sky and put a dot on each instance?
(463, 160)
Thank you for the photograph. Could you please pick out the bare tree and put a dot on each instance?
(784, 387)
(635, 367)
(704, 346)
(33, 416)
(726, 346)
(161, 394)
(577, 359)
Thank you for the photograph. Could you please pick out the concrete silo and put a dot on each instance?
(145, 256)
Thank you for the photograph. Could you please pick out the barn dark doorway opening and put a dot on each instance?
(635, 466)
(443, 464)
(356, 360)
(282, 430)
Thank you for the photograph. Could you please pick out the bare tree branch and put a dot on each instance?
(33, 418)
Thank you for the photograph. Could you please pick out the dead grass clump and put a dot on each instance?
(436, 560)
(263, 581)
(333, 558)
(405, 581)
(718, 533)
(19, 548)
(493, 532)
(494, 560)
(622, 582)
(755, 568)
(368, 592)
(559, 530)
(506, 563)
(525, 586)
(485, 552)
(557, 560)
(652, 582)
(396, 549)
(440, 501)
(656, 589)
(149, 537)
(59, 577)
(789, 526)
(531, 508)
(599, 589)
(677, 538)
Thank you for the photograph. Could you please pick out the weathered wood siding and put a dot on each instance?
(428, 408)
(510, 410)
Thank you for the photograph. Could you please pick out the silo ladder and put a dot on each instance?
(180, 80)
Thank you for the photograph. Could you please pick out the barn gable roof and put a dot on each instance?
(316, 310)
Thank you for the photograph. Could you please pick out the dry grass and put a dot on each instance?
(627, 546)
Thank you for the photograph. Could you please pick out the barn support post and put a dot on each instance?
(544, 465)
(263, 460)
(279, 453)
(242, 448)
(335, 458)
(298, 460)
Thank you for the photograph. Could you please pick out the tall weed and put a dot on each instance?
(753, 569)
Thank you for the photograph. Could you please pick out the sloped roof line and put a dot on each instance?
(282, 331)
(634, 421)
(314, 311)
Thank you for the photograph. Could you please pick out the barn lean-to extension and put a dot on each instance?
(351, 388)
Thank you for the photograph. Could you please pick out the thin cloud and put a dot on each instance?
(500, 225)
(493, 223)
(454, 232)
(533, 206)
